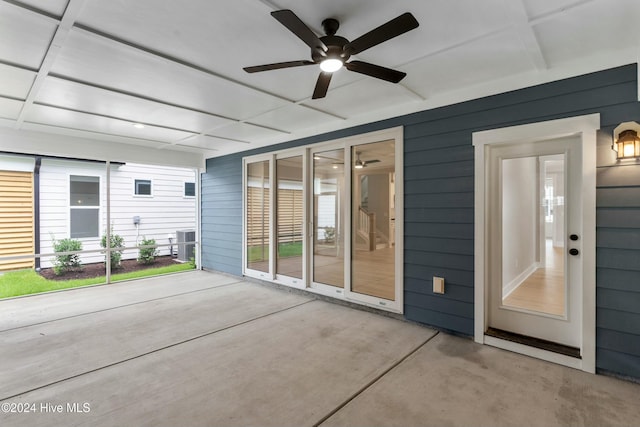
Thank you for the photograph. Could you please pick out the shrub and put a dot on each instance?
(147, 255)
(117, 241)
(64, 263)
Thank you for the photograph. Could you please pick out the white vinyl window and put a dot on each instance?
(189, 189)
(84, 201)
(142, 187)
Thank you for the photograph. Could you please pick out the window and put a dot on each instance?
(189, 189)
(84, 201)
(142, 187)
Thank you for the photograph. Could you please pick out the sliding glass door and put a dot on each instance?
(329, 219)
(373, 220)
(258, 217)
(290, 219)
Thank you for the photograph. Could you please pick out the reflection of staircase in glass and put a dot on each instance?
(368, 236)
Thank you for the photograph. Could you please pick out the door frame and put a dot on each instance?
(585, 127)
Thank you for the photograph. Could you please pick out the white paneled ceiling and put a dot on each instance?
(94, 68)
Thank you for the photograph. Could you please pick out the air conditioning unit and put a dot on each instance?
(186, 252)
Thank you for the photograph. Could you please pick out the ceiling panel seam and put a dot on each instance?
(412, 92)
(166, 57)
(457, 45)
(183, 63)
(93, 132)
(552, 14)
(74, 7)
(106, 116)
(142, 97)
(11, 98)
(18, 66)
(35, 11)
(212, 136)
(153, 100)
(174, 60)
(518, 13)
(286, 132)
(300, 103)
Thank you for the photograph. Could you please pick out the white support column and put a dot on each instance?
(108, 232)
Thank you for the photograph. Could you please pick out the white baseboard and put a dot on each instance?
(519, 279)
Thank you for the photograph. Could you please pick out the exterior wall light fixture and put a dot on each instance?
(626, 141)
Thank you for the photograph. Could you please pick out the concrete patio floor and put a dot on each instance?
(201, 348)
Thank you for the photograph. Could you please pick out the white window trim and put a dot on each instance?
(586, 127)
(184, 190)
(99, 207)
(143, 195)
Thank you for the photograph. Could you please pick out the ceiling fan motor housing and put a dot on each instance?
(335, 49)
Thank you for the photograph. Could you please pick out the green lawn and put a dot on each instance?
(285, 250)
(25, 282)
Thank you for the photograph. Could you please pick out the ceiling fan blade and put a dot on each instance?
(276, 66)
(372, 161)
(395, 27)
(376, 71)
(290, 20)
(322, 85)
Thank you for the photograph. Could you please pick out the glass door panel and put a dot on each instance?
(258, 216)
(533, 237)
(328, 218)
(373, 220)
(289, 216)
(534, 262)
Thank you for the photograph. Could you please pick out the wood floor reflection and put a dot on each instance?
(373, 272)
(543, 291)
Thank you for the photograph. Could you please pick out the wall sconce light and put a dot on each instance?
(627, 142)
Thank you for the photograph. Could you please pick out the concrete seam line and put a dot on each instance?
(154, 351)
(373, 381)
(120, 306)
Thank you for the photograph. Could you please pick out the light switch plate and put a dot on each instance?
(438, 285)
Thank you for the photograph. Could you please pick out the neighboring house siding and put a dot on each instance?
(16, 218)
(439, 205)
(161, 214)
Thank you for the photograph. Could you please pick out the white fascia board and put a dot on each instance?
(49, 144)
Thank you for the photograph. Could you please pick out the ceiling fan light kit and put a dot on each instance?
(332, 52)
(330, 65)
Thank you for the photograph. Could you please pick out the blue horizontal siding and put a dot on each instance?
(626, 280)
(221, 222)
(444, 246)
(618, 362)
(443, 215)
(618, 238)
(439, 204)
(618, 261)
(439, 185)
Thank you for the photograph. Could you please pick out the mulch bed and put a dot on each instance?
(98, 269)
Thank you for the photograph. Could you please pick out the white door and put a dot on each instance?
(534, 222)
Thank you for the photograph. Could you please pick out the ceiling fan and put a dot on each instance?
(332, 52)
(359, 164)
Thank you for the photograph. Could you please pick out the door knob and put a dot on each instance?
(574, 237)
(574, 251)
